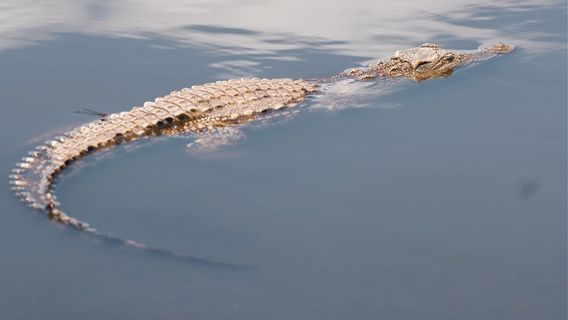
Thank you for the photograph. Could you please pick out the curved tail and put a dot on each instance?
(31, 180)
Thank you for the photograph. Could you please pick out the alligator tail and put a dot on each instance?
(31, 180)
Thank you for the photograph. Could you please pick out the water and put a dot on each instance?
(441, 200)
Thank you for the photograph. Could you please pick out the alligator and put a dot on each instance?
(205, 108)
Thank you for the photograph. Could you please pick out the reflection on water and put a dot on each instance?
(444, 199)
(365, 28)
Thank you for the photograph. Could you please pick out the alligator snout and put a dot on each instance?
(497, 48)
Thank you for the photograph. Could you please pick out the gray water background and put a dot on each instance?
(445, 199)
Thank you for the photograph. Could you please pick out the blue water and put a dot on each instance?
(444, 199)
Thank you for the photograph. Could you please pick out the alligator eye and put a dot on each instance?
(449, 59)
(420, 64)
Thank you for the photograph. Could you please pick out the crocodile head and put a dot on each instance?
(426, 61)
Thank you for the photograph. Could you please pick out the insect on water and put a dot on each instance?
(92, 112)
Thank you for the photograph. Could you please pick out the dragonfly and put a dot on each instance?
(92, 112)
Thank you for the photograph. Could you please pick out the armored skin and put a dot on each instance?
(207, 107)
(427, 61)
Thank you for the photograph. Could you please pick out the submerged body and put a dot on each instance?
(204, 108)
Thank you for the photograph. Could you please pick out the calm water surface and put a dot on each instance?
(440, 200)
